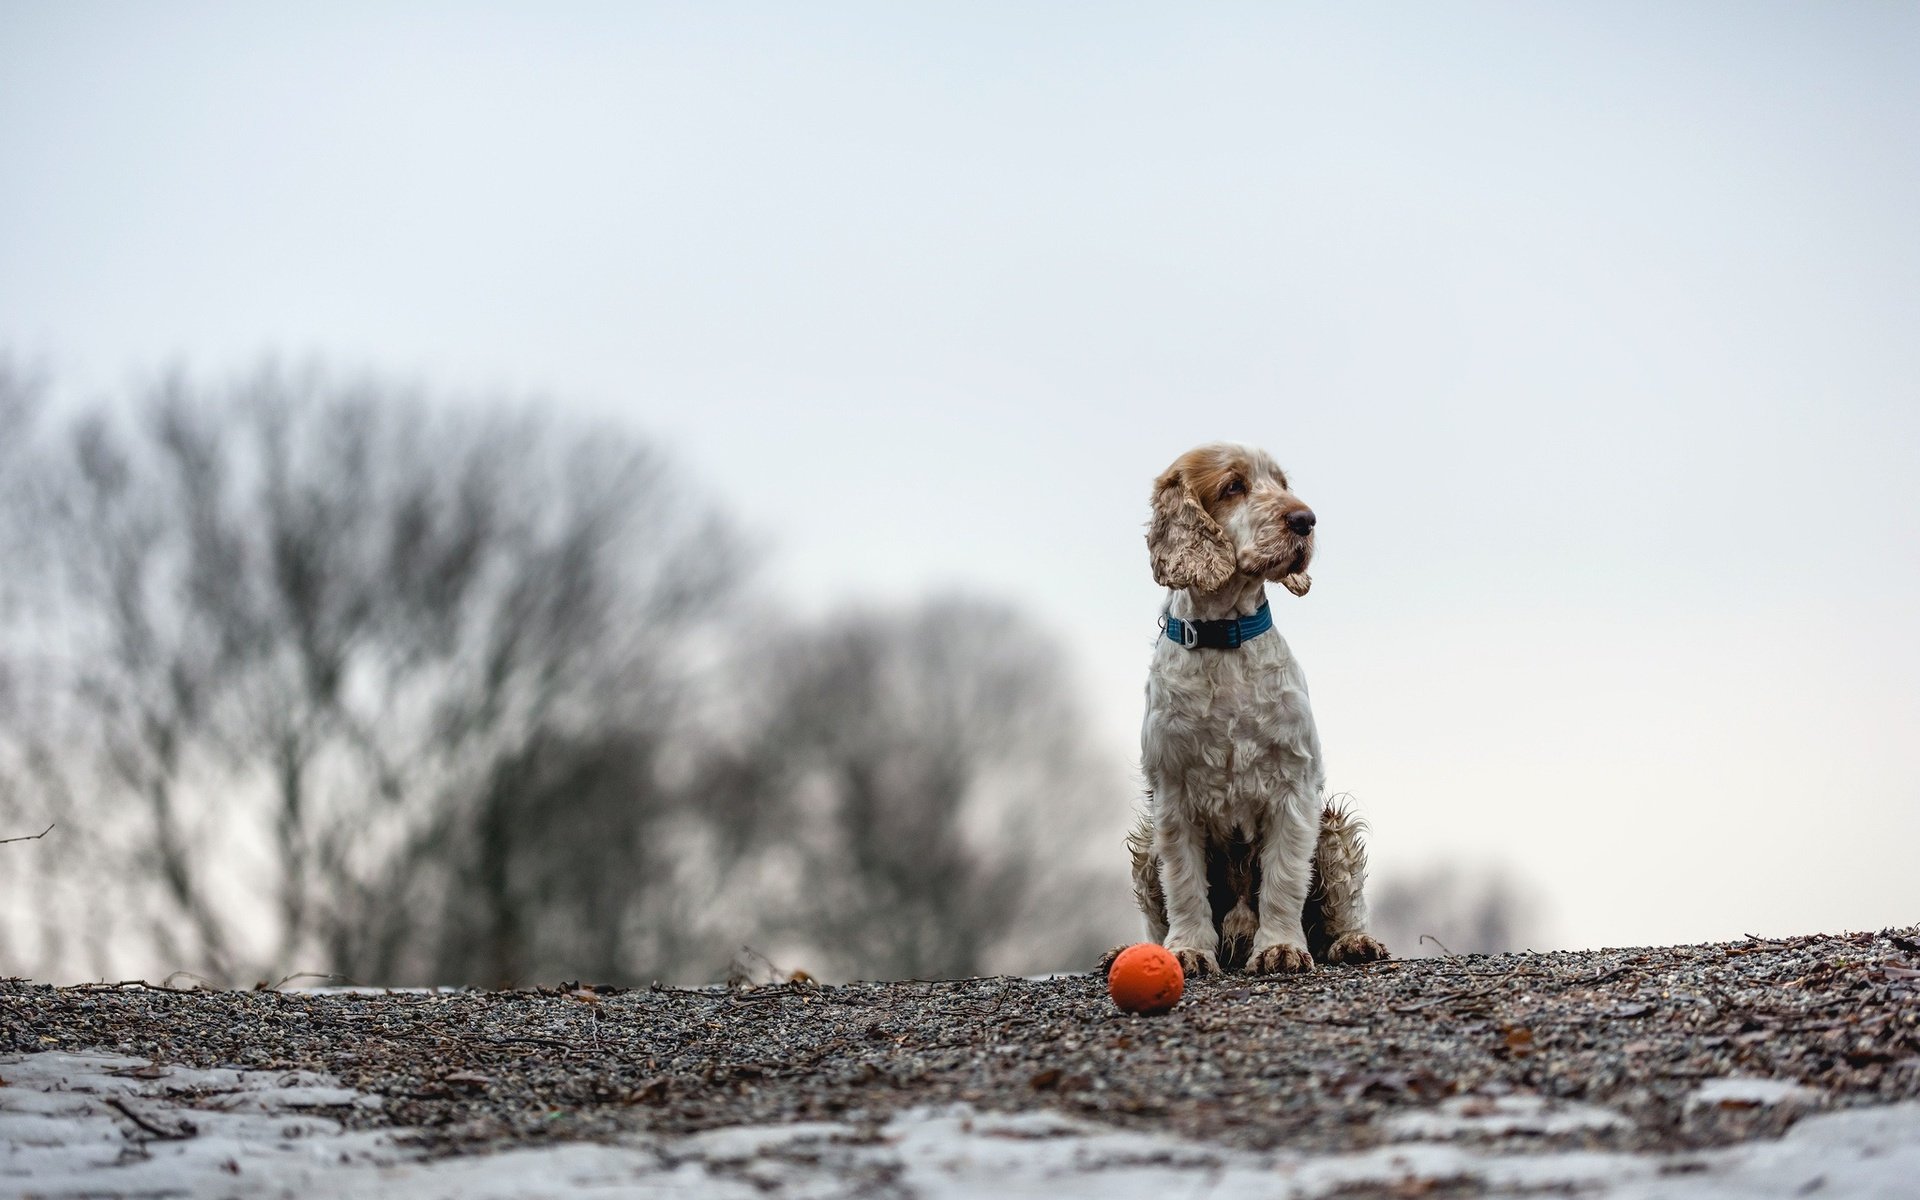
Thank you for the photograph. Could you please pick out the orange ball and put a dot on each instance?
(1146, 979)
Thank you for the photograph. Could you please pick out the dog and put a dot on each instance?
(1238, 858)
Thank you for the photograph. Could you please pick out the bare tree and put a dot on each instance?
(940, 784)
(33, 933)
(321, 641)
(1448, 909)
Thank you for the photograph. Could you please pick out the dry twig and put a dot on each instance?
(184, 1131)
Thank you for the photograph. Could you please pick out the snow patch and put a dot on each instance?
(1502, 1116)
(1751, 1091)
(105, 1125)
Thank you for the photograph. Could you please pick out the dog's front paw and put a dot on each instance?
(1356, 948)
(1194, 963)
(1106, 960)
(1280, 960)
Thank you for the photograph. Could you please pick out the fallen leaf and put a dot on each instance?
(1419, 1085)
(148, 1071)
(653, 1091)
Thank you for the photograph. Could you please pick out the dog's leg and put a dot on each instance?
(1147, 892)
(1286, 861)
(1146, 884)
(1181, 848)
(1340, 863)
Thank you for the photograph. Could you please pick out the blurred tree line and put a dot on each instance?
(1446, 908)
(316, 675)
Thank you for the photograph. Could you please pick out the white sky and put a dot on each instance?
(1592, 333)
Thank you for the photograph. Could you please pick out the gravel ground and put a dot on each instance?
(1322, 1063)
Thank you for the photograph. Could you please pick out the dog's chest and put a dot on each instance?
(1229, 734)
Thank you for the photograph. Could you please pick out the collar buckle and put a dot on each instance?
(1188, 633)
(1230, 633)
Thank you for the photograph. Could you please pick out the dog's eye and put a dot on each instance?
(1233, 488)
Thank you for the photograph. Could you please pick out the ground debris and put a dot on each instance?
(1318, 1062)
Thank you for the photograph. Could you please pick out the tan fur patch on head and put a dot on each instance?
(1187, 546)
(1221, 509)
(1208, 470)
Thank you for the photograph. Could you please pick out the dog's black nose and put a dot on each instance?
(1300, 520)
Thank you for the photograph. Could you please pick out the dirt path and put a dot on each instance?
(1326, 1063)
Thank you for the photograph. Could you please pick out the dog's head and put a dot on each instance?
(1223, 510)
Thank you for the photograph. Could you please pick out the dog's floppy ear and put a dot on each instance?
(1189, 550)
(1297, 583)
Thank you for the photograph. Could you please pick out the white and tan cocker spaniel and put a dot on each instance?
(1238, 859)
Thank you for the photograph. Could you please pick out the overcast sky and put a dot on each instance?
(1592, 334)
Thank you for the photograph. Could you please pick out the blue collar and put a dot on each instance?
(1218, 635)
